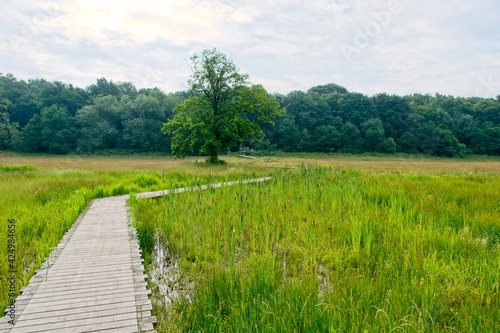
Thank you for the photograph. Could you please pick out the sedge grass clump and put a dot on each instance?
(320, 249)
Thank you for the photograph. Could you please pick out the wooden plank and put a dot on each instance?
(246, 156)
(84, 325)
(77, 285)
(82, 295)
(77, 319)
(96, 310)
(105, 301)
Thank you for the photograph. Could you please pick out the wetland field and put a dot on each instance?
(332, 243)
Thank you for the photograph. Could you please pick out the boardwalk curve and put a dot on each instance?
(94, 280)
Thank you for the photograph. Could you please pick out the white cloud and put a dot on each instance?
(395, 46)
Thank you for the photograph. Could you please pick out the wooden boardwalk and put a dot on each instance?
(94, 280)
(200, 188)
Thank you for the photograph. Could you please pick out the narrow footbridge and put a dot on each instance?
(94, 280)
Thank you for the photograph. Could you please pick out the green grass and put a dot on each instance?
(46, 202)
(316, 249)
(329, 250)
(19, 167)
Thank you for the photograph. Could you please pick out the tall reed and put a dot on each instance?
(327, 250)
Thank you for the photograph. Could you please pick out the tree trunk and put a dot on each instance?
(213, 158)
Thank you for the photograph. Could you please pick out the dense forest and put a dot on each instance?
(106, 117)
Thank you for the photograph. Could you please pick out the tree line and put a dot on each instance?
(54, 117)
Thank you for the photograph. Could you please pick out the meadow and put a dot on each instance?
(330, 244)
(46, 194)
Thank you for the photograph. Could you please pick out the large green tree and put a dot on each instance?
(100, 124)
(59, 133)
(53, 131)
(142, 120)
(373, 132)
(352, 141)
(222, 110)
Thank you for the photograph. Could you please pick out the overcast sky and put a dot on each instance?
(394, 46)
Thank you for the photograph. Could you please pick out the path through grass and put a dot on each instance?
(44, 203)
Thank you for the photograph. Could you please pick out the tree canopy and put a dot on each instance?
(117, 118)
(223, 109)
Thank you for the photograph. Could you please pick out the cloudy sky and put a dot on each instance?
(394, 46)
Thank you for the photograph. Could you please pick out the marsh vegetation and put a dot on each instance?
(325, 250)
(338, 244)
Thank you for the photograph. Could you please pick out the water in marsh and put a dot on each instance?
(165, 276)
